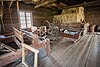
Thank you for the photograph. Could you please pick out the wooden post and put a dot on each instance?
(1, 14)
(36, 60)
(17, 3)
(10, 11)
(10, 3)
(23, 54)
(86, 28)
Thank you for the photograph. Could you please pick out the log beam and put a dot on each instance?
(45, 3)
(11, 0)
(10, 3)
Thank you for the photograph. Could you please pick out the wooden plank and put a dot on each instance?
(70, 52)
(62, 48)
(91, 60)
(18, 34)
(87, 51)
(80, 57)
(72, 55)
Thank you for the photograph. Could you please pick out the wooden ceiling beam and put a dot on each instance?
(11, 0)
(10, 3)
(51, 8)
(86, 4)
(45, 3)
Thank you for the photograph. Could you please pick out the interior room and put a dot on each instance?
(49, 33)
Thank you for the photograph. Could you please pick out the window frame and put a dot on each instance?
(25, 17)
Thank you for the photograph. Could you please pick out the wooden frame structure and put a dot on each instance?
(25, 46)
(20, 42)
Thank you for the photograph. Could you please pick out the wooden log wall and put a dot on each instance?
(1, 11)
(10, 18)
(42, 14)
(92, 15)
(39, 15)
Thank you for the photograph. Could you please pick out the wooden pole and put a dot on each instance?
(10, 3)
(1, 14)
(10, 11)
(17, 4)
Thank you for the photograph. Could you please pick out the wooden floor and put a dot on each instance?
(84, 53)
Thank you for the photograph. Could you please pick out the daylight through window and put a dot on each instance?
(25, 19)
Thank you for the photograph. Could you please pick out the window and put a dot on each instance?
(25, 19)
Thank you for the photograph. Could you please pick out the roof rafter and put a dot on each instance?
(45, 3)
